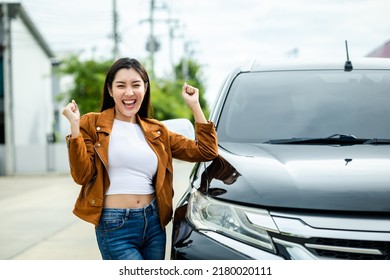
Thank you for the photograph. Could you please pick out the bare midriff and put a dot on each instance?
(127, 201)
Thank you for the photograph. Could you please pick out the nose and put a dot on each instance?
(129, 91)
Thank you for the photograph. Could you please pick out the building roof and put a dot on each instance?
(382, 51)
(17, 9)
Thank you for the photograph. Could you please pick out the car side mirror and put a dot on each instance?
(181, 126)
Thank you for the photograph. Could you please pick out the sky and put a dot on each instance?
(218, 34)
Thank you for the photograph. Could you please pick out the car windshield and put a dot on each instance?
(264, 106)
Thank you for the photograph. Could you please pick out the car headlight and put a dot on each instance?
(241, 223)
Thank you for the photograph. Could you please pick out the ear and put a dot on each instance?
(109, 89)
(146, 86)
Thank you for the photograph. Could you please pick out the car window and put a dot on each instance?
(306, 104)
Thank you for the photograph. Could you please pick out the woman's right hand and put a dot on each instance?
(71, 112)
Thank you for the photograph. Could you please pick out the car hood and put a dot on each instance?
(338, 178)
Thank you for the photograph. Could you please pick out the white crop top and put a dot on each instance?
(132, 164)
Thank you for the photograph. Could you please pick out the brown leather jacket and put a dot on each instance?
(88, 160)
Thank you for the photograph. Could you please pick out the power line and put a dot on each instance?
(153, 45)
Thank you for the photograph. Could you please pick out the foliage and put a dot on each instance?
(166, 93)
(88, 80)
(167, 102)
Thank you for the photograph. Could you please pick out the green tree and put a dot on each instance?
(167, 102)
(166, 93)
(88, 80)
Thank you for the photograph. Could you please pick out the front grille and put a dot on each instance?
(319, 236)
(347, 248)
(336, 248)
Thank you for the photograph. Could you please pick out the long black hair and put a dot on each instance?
(108, 101)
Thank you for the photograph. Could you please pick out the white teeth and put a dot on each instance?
(128, 102)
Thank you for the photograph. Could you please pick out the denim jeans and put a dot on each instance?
(131, 234)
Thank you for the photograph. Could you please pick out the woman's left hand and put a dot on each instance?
(190, 94)
(191, 97)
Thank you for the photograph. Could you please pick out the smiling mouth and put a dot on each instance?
(128, 103)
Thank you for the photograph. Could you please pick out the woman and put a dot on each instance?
(123, 160)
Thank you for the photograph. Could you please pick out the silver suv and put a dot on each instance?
(304, 167)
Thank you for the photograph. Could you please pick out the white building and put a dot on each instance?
(27, 87)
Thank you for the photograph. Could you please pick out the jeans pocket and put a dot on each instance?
(111, 222)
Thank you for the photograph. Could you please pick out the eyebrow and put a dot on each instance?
(123, 82)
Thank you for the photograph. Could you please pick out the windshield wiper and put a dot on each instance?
(335, 139)
(373, 141)
(342, 136)
(376, 141)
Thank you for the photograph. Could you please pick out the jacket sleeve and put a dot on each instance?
(204, 148)
(82, 153)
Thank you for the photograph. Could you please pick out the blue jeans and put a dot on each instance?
(131, 234)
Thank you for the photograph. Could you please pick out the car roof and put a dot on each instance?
(370, 63)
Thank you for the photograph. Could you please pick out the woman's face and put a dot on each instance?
(128, 90)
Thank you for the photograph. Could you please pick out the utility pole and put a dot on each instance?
(115, 30)
(8, 104)
(152, 44)
(173, 24)
(188, 53)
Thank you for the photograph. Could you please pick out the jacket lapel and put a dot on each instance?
(104, 123)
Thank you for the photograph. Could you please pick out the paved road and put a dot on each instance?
(37, 221)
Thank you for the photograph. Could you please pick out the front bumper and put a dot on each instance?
(301, 237)
(213, 246)
(191, 244)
